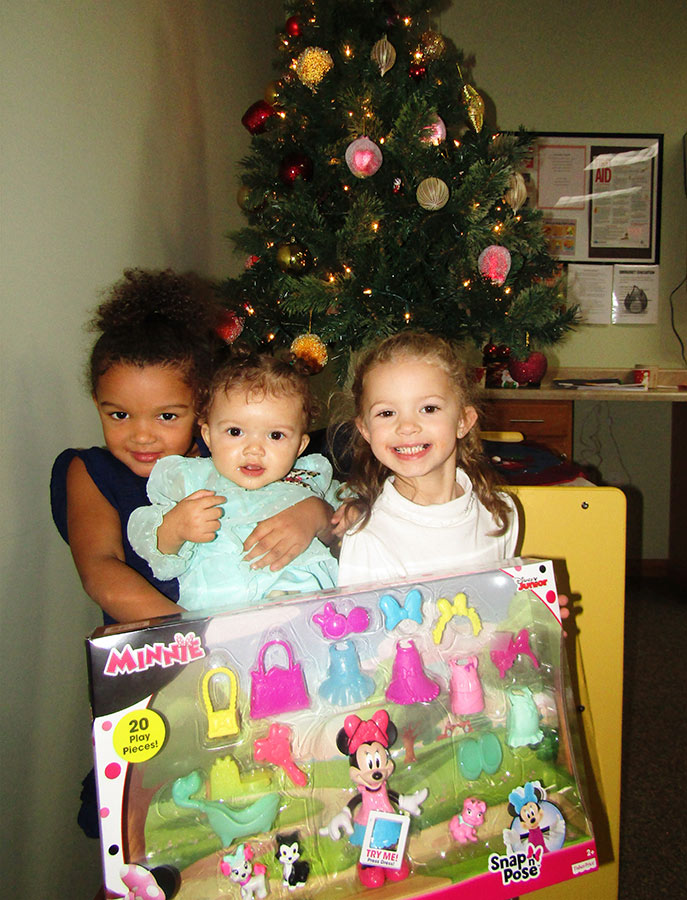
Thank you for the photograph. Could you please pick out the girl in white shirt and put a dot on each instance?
(422, 491)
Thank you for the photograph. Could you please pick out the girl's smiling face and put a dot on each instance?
(146, 413)
(412, 418)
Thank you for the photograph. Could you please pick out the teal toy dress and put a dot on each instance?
(214, 576)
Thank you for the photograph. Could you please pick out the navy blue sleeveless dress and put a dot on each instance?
(125, 491)
(122, 489)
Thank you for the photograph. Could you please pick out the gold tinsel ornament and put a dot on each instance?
(474, 104)
(312, 65)
(311, 350)
(432, 44)
(384, 54)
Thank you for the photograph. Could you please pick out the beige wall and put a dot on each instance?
(120, 124)
(121, 131)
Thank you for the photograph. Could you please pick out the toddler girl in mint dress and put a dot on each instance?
(254, 423)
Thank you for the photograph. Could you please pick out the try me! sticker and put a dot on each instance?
(385, 840)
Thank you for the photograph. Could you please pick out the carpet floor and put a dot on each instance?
(653, 832)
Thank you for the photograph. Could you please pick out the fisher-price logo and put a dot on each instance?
(184, 649)
(514, 867)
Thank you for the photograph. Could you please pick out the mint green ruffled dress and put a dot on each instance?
(213, 576)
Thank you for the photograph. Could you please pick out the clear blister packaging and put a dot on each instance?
(409, 738)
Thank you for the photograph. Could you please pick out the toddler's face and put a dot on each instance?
(411, 418)
(254, 438)
(146, 413)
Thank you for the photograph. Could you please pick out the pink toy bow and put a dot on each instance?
(276, 749)
(368, 731)
(334, 625)
(508, 648)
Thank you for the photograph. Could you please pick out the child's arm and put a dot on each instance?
(277, 541)
(95, 540)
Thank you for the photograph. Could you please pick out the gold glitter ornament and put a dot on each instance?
(384, 54)
(432, 43)
(516, 194)
(312, 65)
(432, 194)
(475, 106)
(311, 350)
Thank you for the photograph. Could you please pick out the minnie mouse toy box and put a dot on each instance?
(414, 739)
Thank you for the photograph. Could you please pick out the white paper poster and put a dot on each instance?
(591, 287)
(635, 295)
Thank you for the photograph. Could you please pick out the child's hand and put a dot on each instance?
(196, 518)
(344, 518)
(280, 539)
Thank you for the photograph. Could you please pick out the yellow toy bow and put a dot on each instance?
(458, 607)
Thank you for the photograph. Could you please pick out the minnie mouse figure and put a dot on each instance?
(536, 821)
(366, 743)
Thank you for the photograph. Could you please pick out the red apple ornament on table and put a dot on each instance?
(528, 372)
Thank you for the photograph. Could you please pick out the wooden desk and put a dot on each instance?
(547, 415)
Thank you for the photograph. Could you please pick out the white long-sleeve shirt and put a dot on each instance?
(403, 539)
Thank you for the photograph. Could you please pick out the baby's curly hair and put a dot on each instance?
(157, 318)
(261, 374)
(368, 474)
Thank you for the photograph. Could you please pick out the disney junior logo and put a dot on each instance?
(517, 867)
(184, 649)
(528, 584)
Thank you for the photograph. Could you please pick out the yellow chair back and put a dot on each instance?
(582, 529)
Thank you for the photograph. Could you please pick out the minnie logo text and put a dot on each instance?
(184, 649)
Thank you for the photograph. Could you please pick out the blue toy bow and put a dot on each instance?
(520, 796)
(395, 613)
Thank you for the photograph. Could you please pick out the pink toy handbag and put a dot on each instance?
(276, 690)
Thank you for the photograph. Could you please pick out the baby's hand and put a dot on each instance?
(196, 518)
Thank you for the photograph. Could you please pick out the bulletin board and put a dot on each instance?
(599, 195)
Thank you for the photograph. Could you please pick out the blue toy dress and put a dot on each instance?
(214, 576)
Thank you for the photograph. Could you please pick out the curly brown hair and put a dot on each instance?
(368, 474)
(157, 318)
(261, 374)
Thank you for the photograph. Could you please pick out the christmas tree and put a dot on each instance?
(377, 198)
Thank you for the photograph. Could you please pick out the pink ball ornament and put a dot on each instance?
(494, 263)
(363, 157)
(435, 133)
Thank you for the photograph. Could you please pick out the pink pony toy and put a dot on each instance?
(464, 825)
(239, 868)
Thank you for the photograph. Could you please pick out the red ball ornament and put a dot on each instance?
(417, 70)
(295, 165)
(528, 371)
(256, 116)
(230, 327)
(293, 26)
